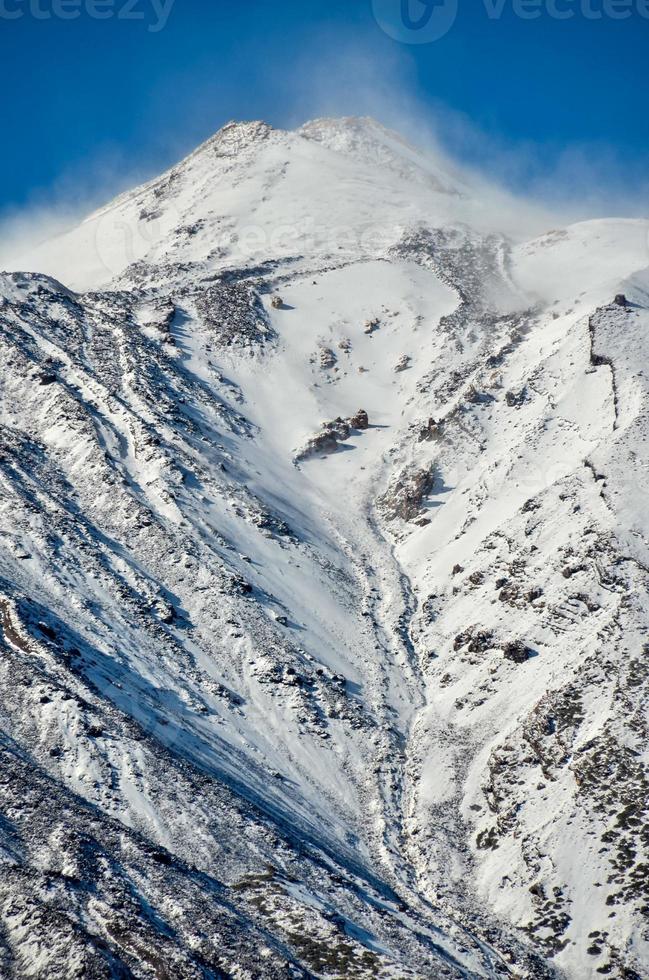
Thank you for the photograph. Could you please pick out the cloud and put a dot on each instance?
(578, 180)
(527, 186)
(77, 192)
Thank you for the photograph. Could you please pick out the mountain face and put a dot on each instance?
(323, 596)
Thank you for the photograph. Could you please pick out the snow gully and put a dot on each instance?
(152, 13)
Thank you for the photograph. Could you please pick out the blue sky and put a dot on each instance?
(94, 104)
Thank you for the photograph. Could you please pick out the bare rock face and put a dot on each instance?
(322, 444)
(235, 314)
(334, 433)
(325, 442)
(371, 325)
(405, 497)
(620, 300)
(277, 303)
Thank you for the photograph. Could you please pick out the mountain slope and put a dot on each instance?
(323, 589)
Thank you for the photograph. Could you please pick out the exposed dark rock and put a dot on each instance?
(234, 313)
(534, 594)
(515, 399)
(432, 430)
(477, 641)
(510, 593)
(327, 358)
(239, 584)
(360, 420)
(406, 495)
(517, 652)
(47, 631)
(327, 441)
(571, 570)
(474, 396)
(600, 359)
(163, 857)
(403, 363)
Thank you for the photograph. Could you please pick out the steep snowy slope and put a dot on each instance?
(339, 189)
(323, 590)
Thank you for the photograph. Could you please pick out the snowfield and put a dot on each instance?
(323, 596)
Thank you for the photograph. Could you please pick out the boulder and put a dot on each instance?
(515, 399)
(165, 612)
(327, 441)
(481, 641)
(403, 363)
(360, 420)
(517, 652)
(327, 358)
(430, 431)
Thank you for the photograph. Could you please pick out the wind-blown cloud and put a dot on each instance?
(542, 184)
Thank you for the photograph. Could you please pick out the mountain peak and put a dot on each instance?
(323, 603)
(249, 180)
(236, 134)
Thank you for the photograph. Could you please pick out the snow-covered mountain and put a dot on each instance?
(323, 597)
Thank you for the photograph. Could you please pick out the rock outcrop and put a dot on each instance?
(331, 437)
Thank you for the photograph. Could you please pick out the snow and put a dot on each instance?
(258, 660)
